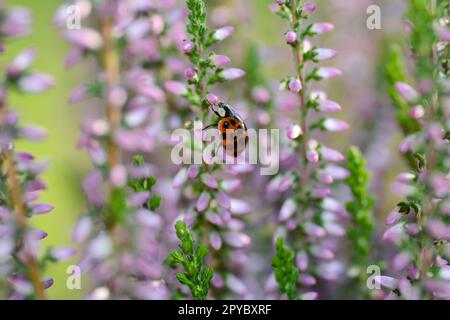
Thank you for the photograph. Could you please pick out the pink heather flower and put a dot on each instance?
(394, 234)
(62, 253)
(180, 178)
(331, 154)
(408, 144)
(215, 240)
(240, 207)
(294, 131)
(312, 156)
(329, 106)
(325, 178)
(175, 87)
(84, 38)
(78, 94)
(280, 2)
(260, 94)
(73, 57)
(223, 200)
(36, 83)
(322, 253)
(321, 192)
(324, 53)
(138, 199)
(210, 181)
(193, 171)
(202, 202)
(413, 229)
(187, 47)
(237, 239)
(301, 260)
(417, 112)
(406, 91)
(314, 230)
(307, 279)
(118, 176)
(290, 37)
(393, 217)
(41, 208)
(442, 32)
(21, 62)
(189, 73)
(328, 73)
(223, 33)
(405, 177)
(212, 99)
(295, 85)
(33, 133)
(309, 7)
(232, 73)
(438, 230)
(219, 60)
(335, 125)
(117, 97)
(311, 295)
(16, 22)
(287, 210)
(322, 27)
(387, 282)
(401, 261)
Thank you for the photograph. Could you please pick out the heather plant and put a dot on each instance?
(22, 263)
(361, 231)
(309, 213)
(418, 225)
(213, 216)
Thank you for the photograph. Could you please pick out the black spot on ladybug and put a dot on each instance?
(224, 135)
(233, 122)
(239, 126)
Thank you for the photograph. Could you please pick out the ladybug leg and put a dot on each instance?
(212, 109)
(214, 125)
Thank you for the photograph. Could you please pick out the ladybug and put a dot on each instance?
(232, 129)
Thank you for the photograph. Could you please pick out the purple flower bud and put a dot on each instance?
(223, 33)
(306, 279)
(175, 87)
(417, 112)
(406, 91)
(323, 253)
(329, 154)
(437, 229)
(394, 233)
(240, 207)
(290, 37)
(328, 73)
(237, 240)
(224, 200)
(309, 7)
(301, 260)
(202, 202)
(335, 125)
(210, 181)
(16, 22)
(294, 131)
(21, 62)
(233, 185)
(326, 178)
(408, 144)
(47, 283)
(193, 171)
(260, 94)
(324, 53)
(187, 47)
(78, 94)
(401, 261)
(215, 240)
(405, 177)
(322, 27)
(117, 97)
(219, 60)
(280, 2)
(232, 73)
(312, 156)
(314, 230)
(62, 253)
(41, 208)
(189, 73)
(413, 229)
(118, 176)
(180, 178)
(388, 282)
(287, 210)
(442, 32)
(84, 38)
(295, 85)
(329, 106)
(321, 192)
(393, 217)
(212, 99)
(33, 133)
(36, 83)
(73, 57)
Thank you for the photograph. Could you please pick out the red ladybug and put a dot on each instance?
(232, 128)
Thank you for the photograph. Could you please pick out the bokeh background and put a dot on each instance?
(360, 91)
